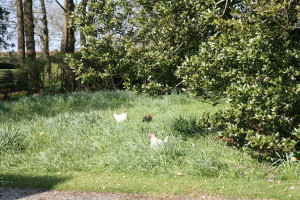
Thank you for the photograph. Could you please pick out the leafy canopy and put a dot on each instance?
(254, 60)
(3, 27)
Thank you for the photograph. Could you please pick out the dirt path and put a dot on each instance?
(36, 194)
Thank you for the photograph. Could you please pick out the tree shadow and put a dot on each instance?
(187, 127)
(3, 108)
(26, 185)
(52, 105)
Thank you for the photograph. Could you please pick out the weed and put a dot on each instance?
(287, 167)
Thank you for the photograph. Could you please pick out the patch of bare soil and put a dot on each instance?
(38, 194)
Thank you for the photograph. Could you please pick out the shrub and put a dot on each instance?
(140, 44)
(287, 167)
(255, 62)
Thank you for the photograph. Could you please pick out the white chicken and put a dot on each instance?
(155, 142)
(121, 117)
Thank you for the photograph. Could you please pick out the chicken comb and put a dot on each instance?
(150, 134)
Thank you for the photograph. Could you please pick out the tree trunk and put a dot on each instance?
(45, 39)
(29, 29)
(33, 71)
(20, 29)
(68, 36)
(68, 82)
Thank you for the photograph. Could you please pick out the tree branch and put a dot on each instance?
(219, 2)
(225, 7)
(61, 6)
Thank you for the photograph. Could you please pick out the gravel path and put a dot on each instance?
(36, 194)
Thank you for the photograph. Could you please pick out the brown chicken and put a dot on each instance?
(147, 118)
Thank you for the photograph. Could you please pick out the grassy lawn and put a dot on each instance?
(72, 142)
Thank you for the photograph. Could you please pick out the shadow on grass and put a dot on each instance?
(3, 108)
(52, 105)
(187, 127)
(27, 185)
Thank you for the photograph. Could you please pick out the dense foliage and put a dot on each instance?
(3, 27)
(139, 44)
(104, 29)
(165, 33)
(254, 60)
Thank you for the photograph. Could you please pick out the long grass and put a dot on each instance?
(75, 136)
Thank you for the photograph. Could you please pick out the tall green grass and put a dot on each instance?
(76, 133)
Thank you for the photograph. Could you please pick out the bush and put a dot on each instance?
(140, 44)
(255, 62)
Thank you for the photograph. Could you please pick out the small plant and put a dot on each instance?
(287, 167)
